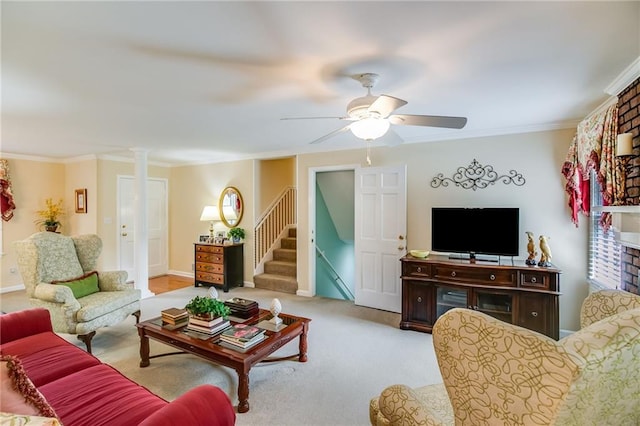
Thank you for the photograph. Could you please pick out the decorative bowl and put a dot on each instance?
(419, 253)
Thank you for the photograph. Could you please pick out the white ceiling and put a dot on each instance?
(210, 81)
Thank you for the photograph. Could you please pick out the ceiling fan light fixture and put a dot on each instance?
(370, 128)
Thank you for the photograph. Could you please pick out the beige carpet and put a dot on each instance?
(354, 353)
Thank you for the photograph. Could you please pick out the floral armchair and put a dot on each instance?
(58, 274)
(496, 373)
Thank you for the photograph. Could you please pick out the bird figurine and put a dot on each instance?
(531, 248)
(545, 257)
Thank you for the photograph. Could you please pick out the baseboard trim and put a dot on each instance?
(180, 273)
(12, 288)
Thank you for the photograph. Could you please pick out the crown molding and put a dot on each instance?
(81, 158)
(31, 158)
(626, 77)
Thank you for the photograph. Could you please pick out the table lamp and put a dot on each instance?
(211, 214)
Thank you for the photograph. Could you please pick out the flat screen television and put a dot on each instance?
(475, 230)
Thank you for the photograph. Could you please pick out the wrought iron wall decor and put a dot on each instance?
(475, 176)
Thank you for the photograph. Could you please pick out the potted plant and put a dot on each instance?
(49, 216)
(207, 307)
(236, 234)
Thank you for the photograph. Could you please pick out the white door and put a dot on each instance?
(156, 221)
(380, 236)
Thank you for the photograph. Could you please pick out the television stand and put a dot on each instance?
(525, 295)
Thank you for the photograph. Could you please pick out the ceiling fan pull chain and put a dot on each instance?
(368, 153)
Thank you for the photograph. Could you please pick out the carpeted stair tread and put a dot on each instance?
(284, 254)
(289, 243)
(276, 283)
(280, 267)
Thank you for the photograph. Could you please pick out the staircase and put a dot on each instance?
(280, 273)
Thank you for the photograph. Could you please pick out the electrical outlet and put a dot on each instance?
(193, 266)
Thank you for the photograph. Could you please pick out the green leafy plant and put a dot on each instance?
(200, 305)
(236, 233)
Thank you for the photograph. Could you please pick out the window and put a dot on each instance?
(604, 251)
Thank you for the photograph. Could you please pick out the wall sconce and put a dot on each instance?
(211, 214)
(624, 150)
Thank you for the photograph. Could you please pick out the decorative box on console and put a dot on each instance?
(243, 308)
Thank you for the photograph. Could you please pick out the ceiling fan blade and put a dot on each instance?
(385, 105)
(332, 134)
(428, 120)
(391, 138)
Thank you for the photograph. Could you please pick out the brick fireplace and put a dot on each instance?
(629, 122)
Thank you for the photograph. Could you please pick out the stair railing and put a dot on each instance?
(280, 215)
(338, 282)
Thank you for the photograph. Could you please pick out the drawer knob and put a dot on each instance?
(533, 280)
(419, 269)
(419, 299)
(492, 277)
(534, 314)
(453, 274)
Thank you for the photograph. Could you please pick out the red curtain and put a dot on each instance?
(7, 206)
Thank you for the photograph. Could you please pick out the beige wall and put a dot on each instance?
(82, 175)
(272, 177)
(32, 182)
(542, 202)
(192, 188)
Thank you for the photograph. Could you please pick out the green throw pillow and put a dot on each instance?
(82, 286)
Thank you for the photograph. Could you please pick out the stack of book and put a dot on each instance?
(241, 336)
(213, 326)
(175, 316)
(242, 308)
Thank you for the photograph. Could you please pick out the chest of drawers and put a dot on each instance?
(219, 265)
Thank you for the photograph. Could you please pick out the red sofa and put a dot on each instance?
(84, 391)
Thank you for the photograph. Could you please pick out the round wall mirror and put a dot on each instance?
(231, 206)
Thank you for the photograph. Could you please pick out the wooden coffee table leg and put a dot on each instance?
(144, 349)
(243, 392)
(302, 357)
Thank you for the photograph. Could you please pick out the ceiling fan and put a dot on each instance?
(371, 116)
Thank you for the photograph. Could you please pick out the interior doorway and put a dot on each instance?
(157, 222)
(374, 244)
(335, 254)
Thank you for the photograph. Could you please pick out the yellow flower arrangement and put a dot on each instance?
(49, 216)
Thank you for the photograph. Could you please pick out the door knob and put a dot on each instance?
(124, 234)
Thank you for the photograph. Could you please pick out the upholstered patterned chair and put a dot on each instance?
(499, 374)
(58, 274)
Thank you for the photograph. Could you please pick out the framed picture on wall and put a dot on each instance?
(81, 200)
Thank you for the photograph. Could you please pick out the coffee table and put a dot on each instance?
(209, 349)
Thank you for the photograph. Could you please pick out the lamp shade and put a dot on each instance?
(624, 145)
(370, 128)
(210, 213)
